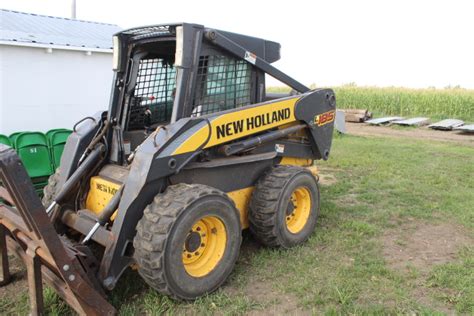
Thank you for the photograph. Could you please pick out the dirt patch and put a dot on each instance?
(419, 246)
(326, 175)
(273, 301)
(424, 133)
(423, 245)
(349, 199)
(327, 179)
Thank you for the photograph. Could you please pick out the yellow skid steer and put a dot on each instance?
(191, 151)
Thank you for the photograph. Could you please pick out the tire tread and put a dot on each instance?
(153, 230)
(263, 207)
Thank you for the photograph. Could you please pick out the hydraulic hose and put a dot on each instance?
(85, 167)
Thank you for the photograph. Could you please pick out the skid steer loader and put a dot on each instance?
(191, 151)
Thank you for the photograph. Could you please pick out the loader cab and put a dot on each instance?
(177, 72)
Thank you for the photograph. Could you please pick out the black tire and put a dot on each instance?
(49, 191)
(271, 206)
(166, 229)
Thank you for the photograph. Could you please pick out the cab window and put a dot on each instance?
(155, 86)
(223, 83)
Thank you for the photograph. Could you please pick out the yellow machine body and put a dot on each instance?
(102, 190)
(242, 197)
(100, 193)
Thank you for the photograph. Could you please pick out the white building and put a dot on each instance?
(53, 71)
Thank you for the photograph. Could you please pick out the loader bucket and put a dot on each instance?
(26, 231)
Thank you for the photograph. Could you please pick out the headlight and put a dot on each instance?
(178, 60)
(116, 54)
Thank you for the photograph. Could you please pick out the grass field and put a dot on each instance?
(435, 103)
(381, 198)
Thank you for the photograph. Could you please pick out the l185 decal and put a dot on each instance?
(325, 118)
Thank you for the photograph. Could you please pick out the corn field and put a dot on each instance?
(434, 103)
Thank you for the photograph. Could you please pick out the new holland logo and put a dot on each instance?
(253, 122)
(106, 189)
(324, 118)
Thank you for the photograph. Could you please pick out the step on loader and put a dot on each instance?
(191, 151)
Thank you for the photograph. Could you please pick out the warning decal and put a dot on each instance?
(250, 57)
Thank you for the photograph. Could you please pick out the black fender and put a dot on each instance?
(151, 167)
(318, 110)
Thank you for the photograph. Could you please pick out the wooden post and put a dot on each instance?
(35, 283)
(5, 274)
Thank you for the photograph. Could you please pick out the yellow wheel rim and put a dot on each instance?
(204, 246)
(298, 210)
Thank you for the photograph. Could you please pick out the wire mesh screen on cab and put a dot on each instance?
(156, 83)
(222, 83)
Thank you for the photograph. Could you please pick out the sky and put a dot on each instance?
(413, 43)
